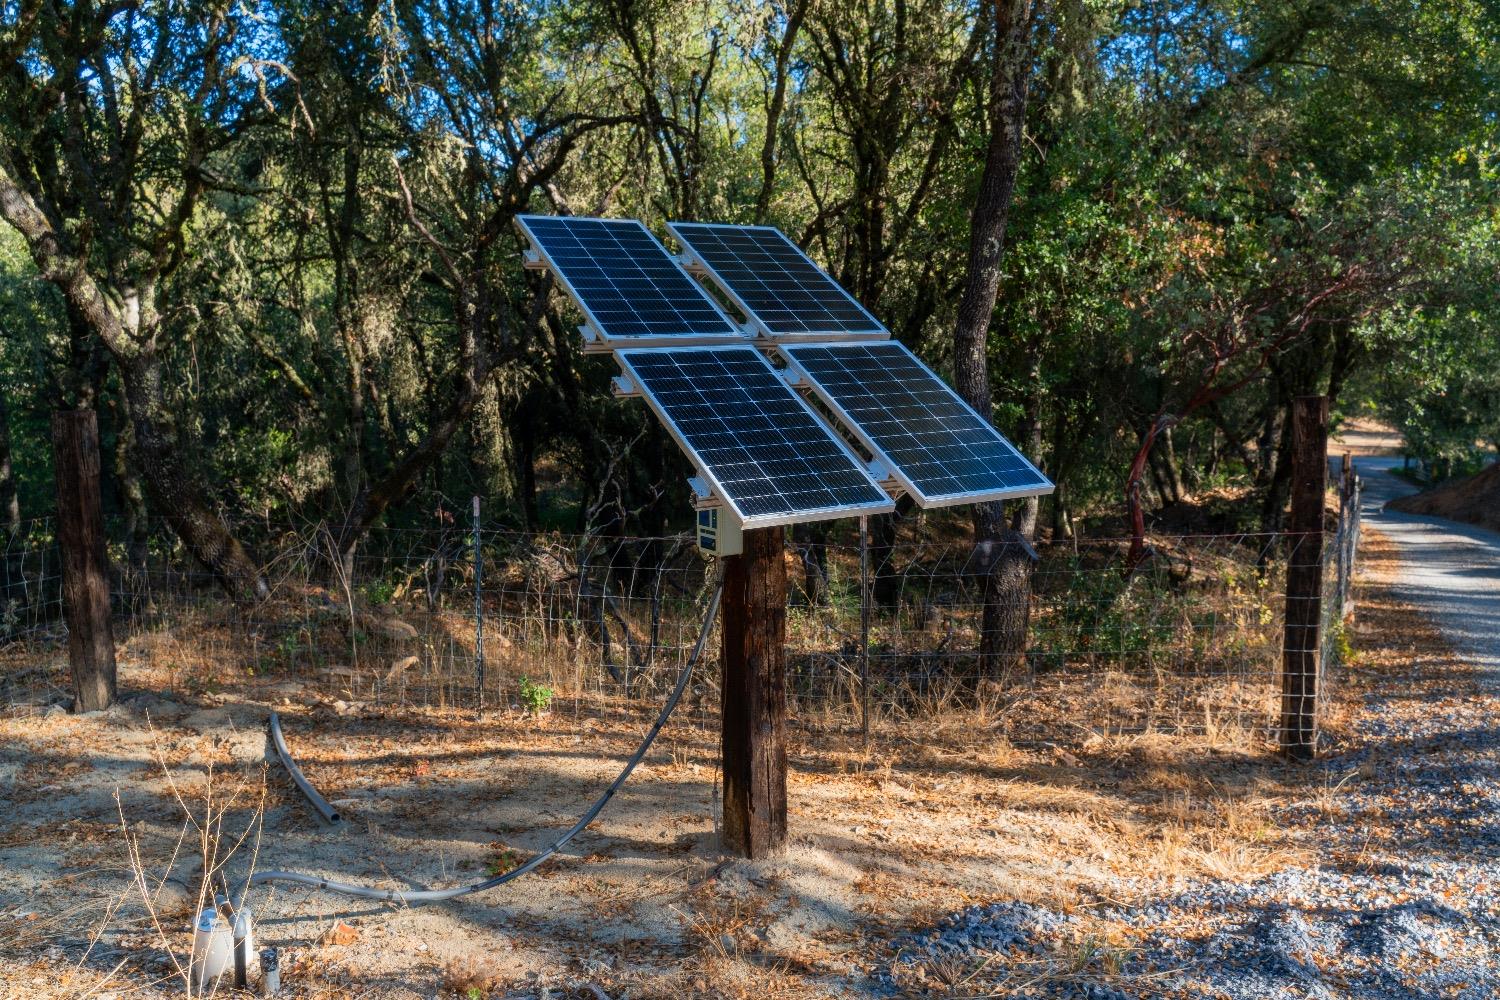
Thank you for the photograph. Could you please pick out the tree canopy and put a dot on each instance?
(272, 242)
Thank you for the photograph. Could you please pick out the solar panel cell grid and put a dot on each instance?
(770, 458)
(932, 440)
(623, 279)
(769, 277)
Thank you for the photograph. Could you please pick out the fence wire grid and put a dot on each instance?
(1189, 640)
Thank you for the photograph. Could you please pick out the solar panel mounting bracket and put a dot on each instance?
(593, 343)
(532, 261)
(624, 387)
(704, 497)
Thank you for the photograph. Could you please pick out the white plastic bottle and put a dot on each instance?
(213, 953)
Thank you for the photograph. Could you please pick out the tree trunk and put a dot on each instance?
(530, 508)
(371, 502)
(1170, 467)
(1158, 478)
(1266, 445)
(173, 489)
(10, 507)
(1059, 511)
(133, 500)
(774, 108)
(1278, 489)
(1029, 510)
(1009, 83)
(1233, 441)
(1008, 580)
(169, 484)
(886, 580)
(811, 542)
(1004, 629)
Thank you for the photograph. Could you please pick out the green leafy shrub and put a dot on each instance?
(535, 698)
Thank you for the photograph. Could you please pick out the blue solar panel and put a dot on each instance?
(774, 283)
(622, 278)
(766, 454)
(931, 441)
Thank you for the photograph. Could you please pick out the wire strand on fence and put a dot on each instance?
(1191, 639)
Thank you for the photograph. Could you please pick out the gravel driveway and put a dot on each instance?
(1405, 902)
(1450, 570)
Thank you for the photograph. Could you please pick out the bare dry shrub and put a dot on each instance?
(222, 819)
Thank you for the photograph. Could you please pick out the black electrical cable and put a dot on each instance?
(421, 896)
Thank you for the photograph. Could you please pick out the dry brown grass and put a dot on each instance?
(1060, 791)
(471, 977)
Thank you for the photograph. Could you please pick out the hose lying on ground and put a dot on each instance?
(298, 778)
(421, 896)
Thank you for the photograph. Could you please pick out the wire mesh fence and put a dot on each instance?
(1188, 639)
(1339, 559)
(30, 583)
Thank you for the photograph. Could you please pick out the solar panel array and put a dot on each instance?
(626, 283)
(774, 283)
(762, 448)
(932, 441)
(766, 455)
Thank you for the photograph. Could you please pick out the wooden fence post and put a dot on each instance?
(85, 572)
(754, 693)
(1301, 640)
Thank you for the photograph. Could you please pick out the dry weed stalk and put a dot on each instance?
(223, 798)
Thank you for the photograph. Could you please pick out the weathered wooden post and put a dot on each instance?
(754, 692)
(85, 575)
(1301, 640)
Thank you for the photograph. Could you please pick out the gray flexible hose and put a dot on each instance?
(422, 896)
(298, 778)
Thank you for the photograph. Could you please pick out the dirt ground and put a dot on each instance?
(1366, 436)
(1473, 499)
(924, 820)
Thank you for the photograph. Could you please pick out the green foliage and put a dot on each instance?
(1257, 199)
(380, 591)
(1341, 643)
(502, 859)
(535, 698)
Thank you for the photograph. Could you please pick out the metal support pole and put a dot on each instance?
(864, 628)
(478, 612)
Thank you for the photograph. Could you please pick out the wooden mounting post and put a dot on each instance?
(754, 707)
(1302, 639)
(85, 573)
